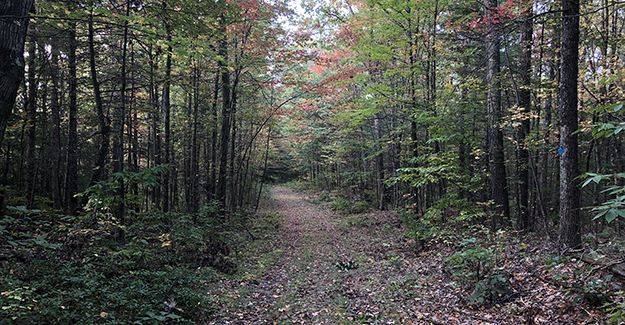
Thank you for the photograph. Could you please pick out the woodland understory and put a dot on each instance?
(463, 161)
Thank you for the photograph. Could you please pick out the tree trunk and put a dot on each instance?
(225, 124)
(233, 153)
(119, 207)
(156, 128)
(167, 113)
(211, 166)
(569, 231)
(99, 172)
(522, 130)
(499, 186)
(379, 159)
(71, 180)
(12, 39)
(31, 163)
(55, 130)
(194, 164)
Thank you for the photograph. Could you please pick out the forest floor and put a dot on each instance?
(315, 266)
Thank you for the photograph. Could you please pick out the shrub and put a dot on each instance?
(347, 207)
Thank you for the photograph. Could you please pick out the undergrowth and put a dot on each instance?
(59, 269)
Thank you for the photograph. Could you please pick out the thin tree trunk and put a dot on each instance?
(119, 209)
(167, 113)
(262, 179)
(233, 153)
(31, 162)
(71, 178)
(99, 172)
(379, 164)
(212, 165)
(522, 130)
(156, 129)
(225, 124)
(194, 167)
(55, 130)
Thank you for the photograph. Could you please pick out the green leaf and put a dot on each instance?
(610, 215)
(613, 107)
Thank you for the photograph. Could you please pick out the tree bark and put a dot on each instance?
(379, 159)
(71, 180)
(225, 124)
(167, 113)
(522, 130)
(569, 230)
(12, 38)
(31, 163)
(211, 166)
(99, 172)
(499, 185)
(55, 130)
(194, 164)
(119, 208)
(156, 126)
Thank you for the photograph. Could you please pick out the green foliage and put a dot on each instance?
(493, 288)
(614, 207)
(421, 228)
(346, 266)
(67, 269)
(596, 291)
(437, 167)
(440, 220)
(346, 206)
(472, 262)
(617, 309)
(102, 195)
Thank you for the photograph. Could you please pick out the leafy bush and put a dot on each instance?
(493, 288)
(347, 207)
(474, 265)
(421, 229)
(472, 262)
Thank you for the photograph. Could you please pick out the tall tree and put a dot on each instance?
(31, 164)
(569, 232)
(119, 208)
(71, 177)
(55, 130)
(522, 129)
(497, 167)
(103, 125)
(225, 122)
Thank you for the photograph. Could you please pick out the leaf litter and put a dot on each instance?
(361, 269)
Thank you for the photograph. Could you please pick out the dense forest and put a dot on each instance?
(139, 138)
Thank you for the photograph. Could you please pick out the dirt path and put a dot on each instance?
(298, 288)
(327, 268)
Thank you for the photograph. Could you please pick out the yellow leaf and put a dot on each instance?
(167, 243)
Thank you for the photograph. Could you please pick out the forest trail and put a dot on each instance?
(330, 268)
(301, 286)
